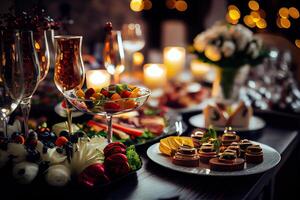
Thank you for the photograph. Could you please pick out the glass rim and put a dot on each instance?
(147, 94)
(68, 37)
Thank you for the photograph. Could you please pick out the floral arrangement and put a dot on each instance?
(229, 46)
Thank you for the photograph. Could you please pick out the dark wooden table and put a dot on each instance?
(156, 182)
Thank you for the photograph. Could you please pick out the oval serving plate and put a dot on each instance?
(172, 117)
(271, 159)
(256, 123)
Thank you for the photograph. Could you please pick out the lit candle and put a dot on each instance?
(97, 79)
(200, 69)
(154, 75)
(138, 59)
(174, 60)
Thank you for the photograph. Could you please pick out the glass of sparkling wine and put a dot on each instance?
(133, 40)
(11, 75)
(69, 69)
(31, 74)
(113, 54)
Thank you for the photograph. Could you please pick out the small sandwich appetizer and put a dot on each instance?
(244, 144)
(227, 161)
(186, 156)
(207, 152)
(254, 154)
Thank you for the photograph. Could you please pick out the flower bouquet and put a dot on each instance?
(229, 47)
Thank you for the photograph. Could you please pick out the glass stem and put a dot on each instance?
(116, 78)
(4, 120)
(25, 107)
(69, 117)
(109, 129)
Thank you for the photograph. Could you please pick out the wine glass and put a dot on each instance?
(113, 55)
(31, 74)
(69, 70)
(133, 40)
(42, 50)
(11, 75)
(107, 106)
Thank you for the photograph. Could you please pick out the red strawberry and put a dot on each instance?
(104, 92)
(93, 175)
(89, 93)
(112, 106)
(61, 141)
(125, 94)
(113, 148)
(117, 165)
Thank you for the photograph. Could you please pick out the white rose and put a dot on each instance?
(228, 48)
(212, 53)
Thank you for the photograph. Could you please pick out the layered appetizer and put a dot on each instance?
(224, 115)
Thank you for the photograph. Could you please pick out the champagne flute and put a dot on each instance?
(113, 54)
(69, 70)
(31, 74)
(133, 40)
(41, 47)
(11, 75)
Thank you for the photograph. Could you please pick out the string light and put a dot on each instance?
(253, 5)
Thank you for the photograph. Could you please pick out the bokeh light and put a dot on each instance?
(293, 12)
(234, 14)
(137, 5)
(249, 22)
(181, 5)
(285, 23)
(171, 4)
(253, 5)
(283, 12)
(261, 23)
(297, 43)
(255, 16)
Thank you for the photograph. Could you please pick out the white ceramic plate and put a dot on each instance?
(255, 124)
(271, 159)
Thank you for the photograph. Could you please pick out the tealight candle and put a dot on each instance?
(200, 69)
(97, 79)
(138, 59)
(174, 60)
(154, 75)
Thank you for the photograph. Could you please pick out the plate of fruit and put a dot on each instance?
(143, 126)
(204, 153)
(65, 159)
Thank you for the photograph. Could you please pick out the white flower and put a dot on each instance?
(228, 48)
(25, 172)
(200, 42)
(58, 175)
(212, 53)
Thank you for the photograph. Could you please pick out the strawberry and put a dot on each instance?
(105, 92)
(111, 106)
(61, 141)
(89, 93)
(125, 94)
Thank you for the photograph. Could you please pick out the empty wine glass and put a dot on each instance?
(31, 74)
(133, 41)
(69, 70)
(41, 47)
(113, 54)
(11, 75)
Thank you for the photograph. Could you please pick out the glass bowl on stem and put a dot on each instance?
(107, 107)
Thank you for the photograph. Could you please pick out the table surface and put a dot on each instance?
(155, 182)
